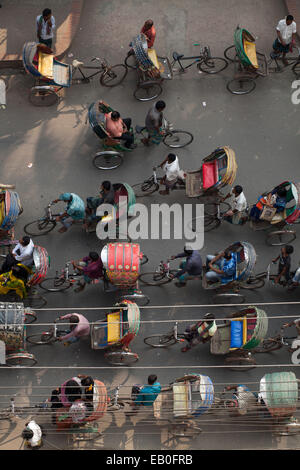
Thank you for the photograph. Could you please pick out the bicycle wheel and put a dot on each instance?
(160, 341)
(39, 97)
(140, 299)
(20, 360)
(268, 345)
(40, 338)
(230, 54)
(296, 69)
(131, 62)
(212, 209)
(252, 283)
(241, 86)
(178, 139)
(34, 301)
(39, 227)
(210, 223)
(30, 317)
(213, 65)
(108, 160)
(144, 259)
(240, 363)
(113, 75)
(145, 189)
(147, 91)
(55, 284)
(154, 279)
(121, 358)
(280, 237)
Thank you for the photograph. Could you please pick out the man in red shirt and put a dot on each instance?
(90, 267)
(150, 33)
(118, 128)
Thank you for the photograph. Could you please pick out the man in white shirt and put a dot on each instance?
(286, 36)
(236, 215)
(22, 253)
(45, 25)
(173, 174)
(32, 434)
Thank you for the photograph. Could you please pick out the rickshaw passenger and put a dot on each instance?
(192, 266)
(14, 280)
(149, 31)
(284, 265)
(70, 391)
(200, 332)
(148, 393)
(225, 271)
(106, 196)
(32, 434)
(118, 128)
(91, 267)
(22, 253)
(79, 327)
(75, 210)
(277, 199)
(238, 398)
(237, 214)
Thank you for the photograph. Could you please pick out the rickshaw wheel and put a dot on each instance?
(159, 341)
(20, 360)
(145, 189)
(114, 75)
(210, 223)
(147, 91)
(241, 86)
(144, 259)
(155, 279)
(245, 363)
(130, 61)
(39, 97)
(211, 208)
(121, 358)
(34, 300)
(268, 345)
(213, 65)
(230, 54)
(39, 227)
(184, 429)
(140, 299)
(229, 297)
(108, 160)
(283, 237)
(29, 318)
(252, 283)
(177, 138)
(55, 284)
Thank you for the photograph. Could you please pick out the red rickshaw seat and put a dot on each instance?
(209, 174)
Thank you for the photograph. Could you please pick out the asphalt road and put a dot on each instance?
(46, 151)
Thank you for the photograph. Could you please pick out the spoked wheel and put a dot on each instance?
(21, 360)
(147, 91)
(39, 97)
(131, 62)
(140, 299)
(121, 358)
(145, 189)
(114, 75)
(178, 139)
(268, 345)
(184, 429)
(241, 86)
(144, 259)
(252, 283)
(155, 278)
(210, 223)
(108, 160)
(160, 341)
(229, 298)
(212, 208)
(55, 284)
(34, 300)
(280, 237)
(230, 54)
(240, 363)
(39, 227)
(296, 69)
(29, 318)
(213, 65)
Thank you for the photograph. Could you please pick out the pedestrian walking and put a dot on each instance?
(286, 36)
(45, 24)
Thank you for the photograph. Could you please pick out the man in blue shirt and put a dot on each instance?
(221, 267)
(147, 394)
(191, 267)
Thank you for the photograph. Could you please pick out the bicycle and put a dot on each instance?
(150, 185)
(205, 62)
(47, 337)
(110, 75)
(276, 342)
(165, 340)
(162, 275)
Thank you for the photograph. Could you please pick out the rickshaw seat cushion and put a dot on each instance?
(250, 50)
(61, 74)
(181, 393)
(153, 57)
(45, 66)
(209, 174)
(113, 327)
(238, 335)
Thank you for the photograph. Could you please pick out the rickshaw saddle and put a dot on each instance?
(113, 327)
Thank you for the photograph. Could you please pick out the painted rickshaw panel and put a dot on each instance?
(12, 331)
(12, 210)
(279, 391)
(41, 265)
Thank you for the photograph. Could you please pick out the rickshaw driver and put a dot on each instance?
(237, 214)
(79, 327)
(191, 267)
(154, 122)
(146, 395)
(91, 267)
(225, 271)
(75, 210)
(200, 332)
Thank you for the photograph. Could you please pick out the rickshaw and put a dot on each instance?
(248, 63)
(10, 209)
(217, 171)
(269, 218)
(237, 337)
(13, 319)
(121, 262)
(113, 334)
(182, 403)
(50, 74)
(36, 274)
(151, 69)
(278, 392)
